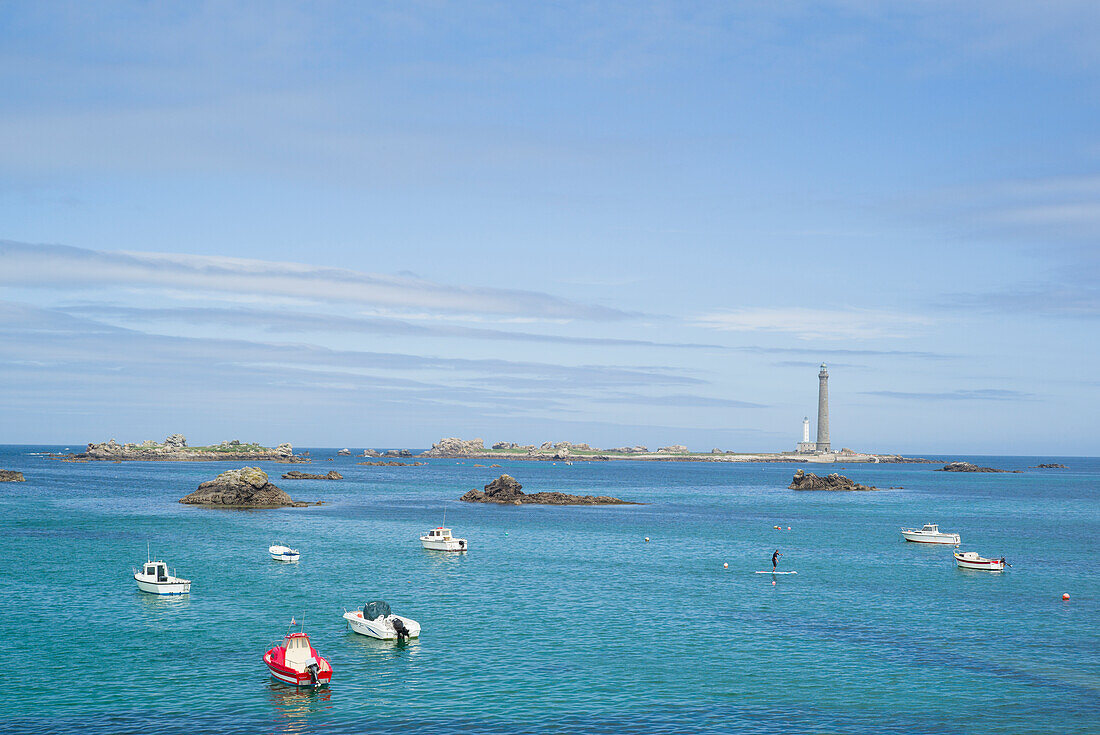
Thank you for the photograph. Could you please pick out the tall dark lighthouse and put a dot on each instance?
(823, 410)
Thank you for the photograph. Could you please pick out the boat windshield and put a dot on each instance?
(376, 609)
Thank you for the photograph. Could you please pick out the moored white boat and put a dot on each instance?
(440, 539)
(155, 579)
(930, 534)
(972, 560)
(283, 553)
(378, 621)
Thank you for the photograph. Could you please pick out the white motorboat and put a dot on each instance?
(930, 534)
(971, 560)
(283, 553)
(440, 539)
(378, 621)
(155, 579)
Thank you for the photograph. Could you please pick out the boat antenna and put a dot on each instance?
(148, 553)
(444, 516)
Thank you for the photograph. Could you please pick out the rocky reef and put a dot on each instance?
(967, 467)
(809, 481)
(11, 476)
(345, 452)
(296, 475)
(247, 487)
(390, 463)
(175, 449)
(505, 490)
(455, 447)
(1051, 466)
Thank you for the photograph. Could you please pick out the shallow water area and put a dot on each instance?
(558, 619)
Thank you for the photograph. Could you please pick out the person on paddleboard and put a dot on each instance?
(775, 559)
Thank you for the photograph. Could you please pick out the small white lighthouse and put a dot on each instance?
(806, 446)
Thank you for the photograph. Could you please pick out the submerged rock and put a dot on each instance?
(11, 476)
(247, 487)
(809, 481)
(506, 490)
(296, 475)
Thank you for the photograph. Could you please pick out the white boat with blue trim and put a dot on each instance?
(283, 553)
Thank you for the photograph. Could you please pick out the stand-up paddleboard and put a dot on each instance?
(775, 572)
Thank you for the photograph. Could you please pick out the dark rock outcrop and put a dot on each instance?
(11, 476)
(344, 453)
(505, 490)
(371, 453)
(296, 475)
(397, 453)
(967, 467)
(247, 487)
(1051, 466)
(809, 481)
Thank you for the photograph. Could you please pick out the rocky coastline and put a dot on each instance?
(506, 490)
(175, 449)
(564, 451)
(11, 476)
(809, 481)
(247, 487)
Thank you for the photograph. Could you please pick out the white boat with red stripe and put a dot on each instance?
(296, 662)
(972, 560)
(930, 534)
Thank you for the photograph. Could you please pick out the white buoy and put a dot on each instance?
(726, 565)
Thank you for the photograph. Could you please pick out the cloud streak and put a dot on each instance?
(815, 323)
(63, 267)
(284, 322)
(979, 394)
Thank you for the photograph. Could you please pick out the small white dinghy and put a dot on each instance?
(930, 534)
(155, 579)
(283, 553)
(440, 539)
(972, 560)
(378, 621)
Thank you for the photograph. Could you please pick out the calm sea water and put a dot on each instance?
(560, 619)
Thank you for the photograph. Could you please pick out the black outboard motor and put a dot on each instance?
(401, 630)
(314, 671)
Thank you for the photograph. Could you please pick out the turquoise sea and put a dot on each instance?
(559, 619)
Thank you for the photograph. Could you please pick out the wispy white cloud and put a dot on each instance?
(62, 267)
(978, 394)
(815, 323)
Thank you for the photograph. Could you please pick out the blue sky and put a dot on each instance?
(378, 224)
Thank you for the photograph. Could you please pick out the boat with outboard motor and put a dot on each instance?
(283, 553)
(378, 621)
(972, 560)
(295, 661)
(155, 579)
(930, 534)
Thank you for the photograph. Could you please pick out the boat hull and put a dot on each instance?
(980, 564)
(952, 539)
(163, 588)
(298, 678)
(286, 557)
(378, 628)
(455, 544)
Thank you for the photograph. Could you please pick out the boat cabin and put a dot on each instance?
(439, 534)
(298, 654)
(931, 528)
(158, 570)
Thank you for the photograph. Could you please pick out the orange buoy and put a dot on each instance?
(788, 528)
(726, 565)
(647, 539)
(773, 583)
(1065, 595)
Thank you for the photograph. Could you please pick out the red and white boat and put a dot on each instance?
(971, 560)
(297, 662)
